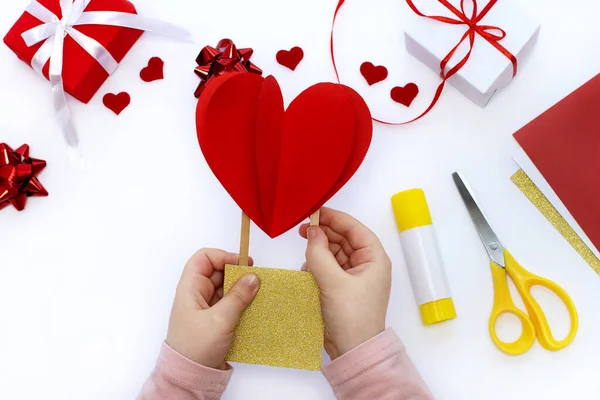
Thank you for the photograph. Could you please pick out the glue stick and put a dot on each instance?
(423, 257)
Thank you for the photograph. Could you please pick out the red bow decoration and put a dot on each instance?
(18, 176)
(224, 59)
(485, 31)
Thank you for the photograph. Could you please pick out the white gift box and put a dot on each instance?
(487, 69)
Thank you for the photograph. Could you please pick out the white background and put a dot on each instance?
(87, 275)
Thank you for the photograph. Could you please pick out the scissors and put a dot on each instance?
(503, 264)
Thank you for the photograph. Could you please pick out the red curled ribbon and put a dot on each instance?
(485, 31)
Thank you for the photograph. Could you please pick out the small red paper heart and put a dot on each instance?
(290, 58)
(154, 70)
(405, 95)
(280, 166)
(372, 73)
(116, 102)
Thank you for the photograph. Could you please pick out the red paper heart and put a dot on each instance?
(290, 58)
(405, 95)
(154, 70)
(281, 166)
(372, 73)
(116, 102)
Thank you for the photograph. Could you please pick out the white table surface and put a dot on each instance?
(88, 274)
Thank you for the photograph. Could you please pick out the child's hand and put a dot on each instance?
(202, 320)
(353, 272)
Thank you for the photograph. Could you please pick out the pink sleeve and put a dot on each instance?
(176, 377)
(377, 369)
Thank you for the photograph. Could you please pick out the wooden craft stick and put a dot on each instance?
(314, 219)
(244, 241)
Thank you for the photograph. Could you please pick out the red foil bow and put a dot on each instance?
(222, 60)
(18, 176)
(472, 21)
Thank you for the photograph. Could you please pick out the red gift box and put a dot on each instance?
(82, 74)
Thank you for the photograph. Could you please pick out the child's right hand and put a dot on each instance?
(353, 272)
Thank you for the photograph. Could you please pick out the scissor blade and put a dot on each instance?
(486, 233)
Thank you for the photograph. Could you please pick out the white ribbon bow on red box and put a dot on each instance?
(53, 31)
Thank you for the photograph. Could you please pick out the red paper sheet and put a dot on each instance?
(564, 145)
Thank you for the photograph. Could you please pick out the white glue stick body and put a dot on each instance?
(423, 257)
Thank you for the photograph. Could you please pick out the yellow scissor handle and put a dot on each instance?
(524, 281)
(503, 304)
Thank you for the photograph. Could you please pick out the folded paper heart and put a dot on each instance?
(154, 70)
(280, 166)
(290, 58)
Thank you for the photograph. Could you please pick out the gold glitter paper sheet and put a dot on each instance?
(535, 195)
(283, 327)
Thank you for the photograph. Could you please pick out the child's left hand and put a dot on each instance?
(202, 320)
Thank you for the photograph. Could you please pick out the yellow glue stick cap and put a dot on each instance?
(437, 311)
(411, 210)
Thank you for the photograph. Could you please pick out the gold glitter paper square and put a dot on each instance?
(283, 327)
(535, 195)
